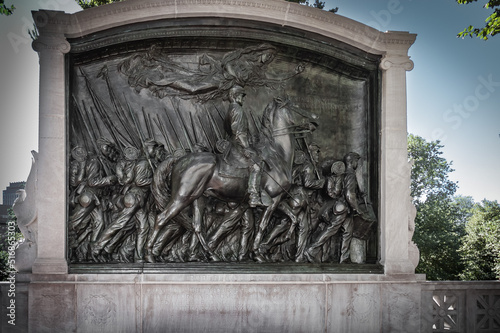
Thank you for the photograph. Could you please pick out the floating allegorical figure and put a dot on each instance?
(213, 77)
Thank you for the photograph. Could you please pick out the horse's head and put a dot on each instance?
(283, 117)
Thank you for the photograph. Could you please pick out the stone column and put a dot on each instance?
(51, 203)
(395, 169)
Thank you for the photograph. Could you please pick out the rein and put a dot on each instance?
(282, 103)
(286, 131)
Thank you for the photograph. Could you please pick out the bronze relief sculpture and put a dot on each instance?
(183, 157)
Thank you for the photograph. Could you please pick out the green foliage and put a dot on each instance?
(439, 228)
(429, 173)
(481, 245)
(316, 4)
(85, 4)
(441, 217)
(5, 10)
(4, 252)
(492, 26)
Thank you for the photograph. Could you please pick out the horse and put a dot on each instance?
(197, 174)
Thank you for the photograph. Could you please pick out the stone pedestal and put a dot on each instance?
(226, 303)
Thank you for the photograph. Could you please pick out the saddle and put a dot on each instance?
(232, 163)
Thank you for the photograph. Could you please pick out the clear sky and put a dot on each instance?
(453, 91)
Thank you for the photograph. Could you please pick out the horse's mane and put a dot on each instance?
(267, 147)
(268, 116)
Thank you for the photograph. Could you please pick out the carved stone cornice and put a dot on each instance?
(396, 61)
(278, 12)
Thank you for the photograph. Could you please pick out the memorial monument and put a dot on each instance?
(220, 166)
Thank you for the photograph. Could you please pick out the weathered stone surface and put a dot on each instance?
(52, 307)
(107, 307)
(354, 307)
(234, 308)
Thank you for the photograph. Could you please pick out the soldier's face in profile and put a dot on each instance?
(355, 163)
(239, 98)
(109, 152)
(299, 159)
(315, 154)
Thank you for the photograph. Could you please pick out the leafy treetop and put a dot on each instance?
(94, 3)
(492, 26)
(5, 10)
(316, 4)
(480, 247)
(429, 174)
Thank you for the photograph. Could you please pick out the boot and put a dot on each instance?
(255, 200)
(254, 186)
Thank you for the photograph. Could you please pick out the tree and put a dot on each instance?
(439, 229)
(429, 172)
(94, 3)
(5, 10)
(480, 250)
(440, 220)
(5, 266)
(492, 26)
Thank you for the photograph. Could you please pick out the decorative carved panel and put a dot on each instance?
(446, 314)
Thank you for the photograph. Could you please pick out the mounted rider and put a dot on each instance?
(236, 125)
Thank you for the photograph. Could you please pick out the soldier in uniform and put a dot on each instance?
(135, 175)
(237, 126)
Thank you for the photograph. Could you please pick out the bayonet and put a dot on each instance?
(92, 139)
(312, 159)
(214, 125)
(141, 138)
(184, 129)
(205, 133)
(173, 128)
(164, 133)
(218, 111)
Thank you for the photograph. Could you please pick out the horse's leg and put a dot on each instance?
(264, 220)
